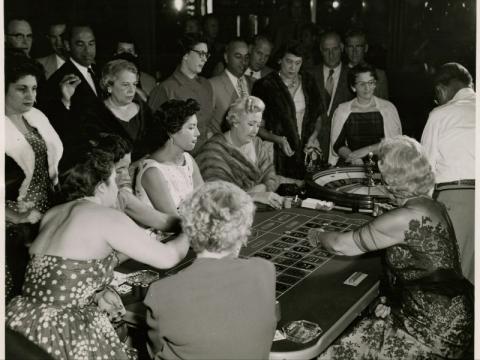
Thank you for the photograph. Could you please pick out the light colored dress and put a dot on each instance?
(179, 179)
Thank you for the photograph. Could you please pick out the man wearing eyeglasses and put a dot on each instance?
(231, 84)
(356, 47)
(449, 143)
(54, 61)
(19, 35)
(186, 83)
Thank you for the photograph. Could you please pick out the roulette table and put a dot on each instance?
(311, 284)
(354, 188)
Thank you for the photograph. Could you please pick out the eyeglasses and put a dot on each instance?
(19, 37)
(202, 54)
(367, 83)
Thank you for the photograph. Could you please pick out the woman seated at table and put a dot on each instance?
(240, 157)
(121, 112)
(220, 307)
(127, 202)
(358, 125)
(170, 173)
(72, 262)
(427, 312)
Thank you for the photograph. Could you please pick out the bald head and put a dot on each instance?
(331, 48)
(236, 57)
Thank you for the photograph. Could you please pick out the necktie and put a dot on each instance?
(329, 83)
(241, 87)
(93, 84)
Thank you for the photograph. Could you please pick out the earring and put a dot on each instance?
(109, 90)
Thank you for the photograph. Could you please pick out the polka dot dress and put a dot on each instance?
(57, 311)
(39, 189)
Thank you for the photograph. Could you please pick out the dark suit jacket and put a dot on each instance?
(224, 95)
(68, 123)
(341, 95)
(280, 119)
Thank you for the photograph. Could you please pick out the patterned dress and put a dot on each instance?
(57, 311)
(425, 322)
(37, 197)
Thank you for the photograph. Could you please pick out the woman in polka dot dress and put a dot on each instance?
(33, 150)
(64, 307)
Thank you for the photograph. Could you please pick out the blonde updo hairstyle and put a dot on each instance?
(242, 107)
(217, 217)
(111, 70)
(405, 168)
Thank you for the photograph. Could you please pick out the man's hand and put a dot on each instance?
(68, 85)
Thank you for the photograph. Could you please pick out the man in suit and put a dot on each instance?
(231, 83)
(356, 47)
(260, 50)
(54, 61)
(18, 35)
(331, 79)
(72, 89)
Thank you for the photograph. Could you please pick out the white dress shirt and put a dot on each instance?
(234, 81)
(86, 74)
(449, 138)
(336, 77)
(60, 61)
(254, 74)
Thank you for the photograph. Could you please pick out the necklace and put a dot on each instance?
(290, 83)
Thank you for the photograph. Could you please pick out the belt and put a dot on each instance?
(467, 182)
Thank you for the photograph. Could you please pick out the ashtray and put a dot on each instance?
(301, 331)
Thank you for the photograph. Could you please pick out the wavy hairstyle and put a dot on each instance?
(111, 70)
(360, 69)
(94, 167)
(113, 144)
(217, 217)
(240, 108)
(405, 168)
(17, 66)
(171, 116)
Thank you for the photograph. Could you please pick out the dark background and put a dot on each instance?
(407, 38)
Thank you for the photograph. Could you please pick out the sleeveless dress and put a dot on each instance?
(179, 179)
(37, 197)
(57, 311)
(426, 321)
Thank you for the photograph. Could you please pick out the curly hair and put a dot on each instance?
(111, 70)
(404, 167)
(217, 217)
(171, 116)
(113, 144)
(93, 168)
(240, 108)
(17, 66)
(360, 69)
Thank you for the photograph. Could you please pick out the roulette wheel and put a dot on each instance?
(356, 188)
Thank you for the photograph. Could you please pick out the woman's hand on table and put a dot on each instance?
(355, 157)
(314, 237)
(269, 198)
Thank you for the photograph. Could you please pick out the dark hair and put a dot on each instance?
(359, 69)
(113, 144)
(70, 27)
(233, 41)
(18, 65)
(353, 32)
(187, 42)
(452, 72)
(93, 167)
(171, 116)
(262, 38)
(294, 48)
